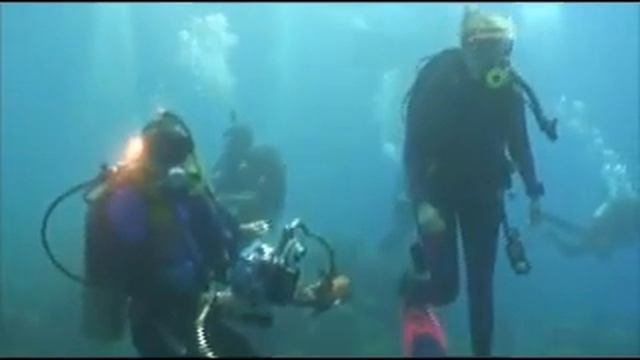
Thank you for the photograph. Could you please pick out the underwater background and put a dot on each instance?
(323, 82)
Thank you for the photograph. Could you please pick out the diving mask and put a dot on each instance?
(489, 47)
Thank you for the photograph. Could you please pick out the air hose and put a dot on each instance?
(87, 186)
(204, 348)
(325, 285)
(548, 126)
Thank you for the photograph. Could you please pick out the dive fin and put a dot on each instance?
(423, 335)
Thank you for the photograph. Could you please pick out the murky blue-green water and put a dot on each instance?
(324, 83)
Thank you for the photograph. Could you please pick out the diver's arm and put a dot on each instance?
(239, 235)
(233, 242)
(218, 166)
(416, 162)
(220, 172)
(520, 150)
(217, 232)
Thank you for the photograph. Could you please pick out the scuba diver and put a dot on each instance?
(464, 114)
(249, 180)
(159, 245)
(613, 224)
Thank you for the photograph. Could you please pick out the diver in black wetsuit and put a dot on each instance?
(250, 180)
(465, 113)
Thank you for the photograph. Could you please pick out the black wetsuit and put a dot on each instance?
(458, 133)
(261, 171)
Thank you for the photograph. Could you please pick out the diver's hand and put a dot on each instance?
(256, 229)
(429, 219)
(324, 294)
(340, 289)
(535, 212)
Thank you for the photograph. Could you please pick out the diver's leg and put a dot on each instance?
(227, 342)
(441, 259)
(150, 337)
(149, 341)
(480, 222)
(423, 335)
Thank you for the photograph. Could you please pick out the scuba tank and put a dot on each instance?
(103, 309)
(103, 305)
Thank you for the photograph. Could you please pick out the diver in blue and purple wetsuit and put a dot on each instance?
(159, 237)
(159, 245)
